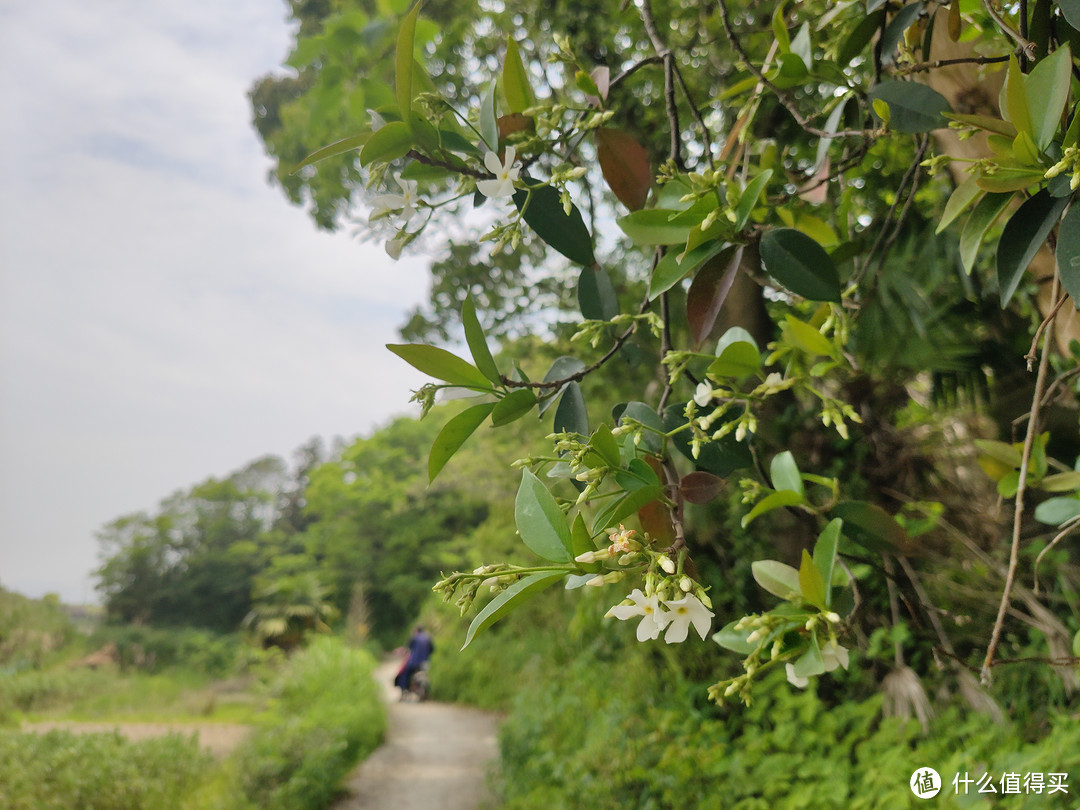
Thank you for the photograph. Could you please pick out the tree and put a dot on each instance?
(784, 154)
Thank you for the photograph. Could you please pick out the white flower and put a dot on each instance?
(505, 177)
(653, 619)
(394, 246)
(794, 679)
(684, 612)
(405, 202)
(703, 394)
(834, 656)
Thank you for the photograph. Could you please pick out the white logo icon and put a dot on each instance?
(925, 783)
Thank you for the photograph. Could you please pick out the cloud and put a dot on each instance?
(164, 314)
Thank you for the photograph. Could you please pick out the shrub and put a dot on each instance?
(61, 771)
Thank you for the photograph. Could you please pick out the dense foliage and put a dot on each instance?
(769, 182)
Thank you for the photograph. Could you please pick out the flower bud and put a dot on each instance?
(667, 564)
(686, 584)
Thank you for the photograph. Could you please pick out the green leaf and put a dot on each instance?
(540, 522)
(474, 336)
(1016, 99)
(1023, 235)
(806, 338)
(979, 221)
(572, 415)
(516, 85)
(596, 295)
(825, 555)
(784, 473)
(1070, 10)
(625, 506)
(441, 364)
(777, 578)
(913, 107)
(582, 541)
(749, 198)
(508, 600)
(387, 143)
(810, 663)
(737, 355)
(653, 226)
(774, 500)
(871, 526)
(513, 406)
(643, 413)
(986, 122)
(709, 290)
(1061, 482)
(604, 443)
(959, 200)
(489, 126)
(1047, 88)
(1068, 253)
(669, 271)
(780, 32)
(403, 64)
(901, 21)
(453, 436)
(637, 475)
(811, 582)
(720, 458)
(1057, 511)
(860, 36)
(800, 264)
(565, 233)
(735, 640)
(334, 149)
(832, 124)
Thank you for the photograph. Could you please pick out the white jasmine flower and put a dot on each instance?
(393, 247)
(653, 618)
(505, 176)
(685, 612)
(405, 202)
(794, 679)
(834, 656)
(703, 394)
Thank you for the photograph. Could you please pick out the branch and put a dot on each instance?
(1069, 527)
(1022, 43)
(1018, 506)
(665, 53)
(444, 164)
(919, 67)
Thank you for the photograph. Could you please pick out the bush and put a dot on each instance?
(331, 716)
(62, 771)
(40, 690)
(152, 649)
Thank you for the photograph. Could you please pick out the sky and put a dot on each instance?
(165, 314)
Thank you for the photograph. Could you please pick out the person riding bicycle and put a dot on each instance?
(420, 649)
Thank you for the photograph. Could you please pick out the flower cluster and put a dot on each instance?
(674, 615)
(833, 656)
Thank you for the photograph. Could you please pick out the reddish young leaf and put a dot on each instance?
(709, 289)
(514, 122)
(625, 165)
(701, 487)
(656, 520)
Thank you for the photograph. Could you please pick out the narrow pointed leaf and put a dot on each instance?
(565, 233)
(979, 221)
(1047, 89)
(441, 364)
(1056, 511)
(669, 271)
(964, 195)
(810, 663)
(710, 289)
(624, 507)
(735, 640)
(489, 128)
(825, 555)
(800, 264)
(990, 124)
(596, 295)
(508, 600)
(453, 436)
(750, 197)
(625, 166)
(1016, 99)
(337, 148)
(1068, 253)
(512, 407)
(784, 473)
(572, 415)
(654, 226)
(540, 522)
(777, 578)
(389, 142)
(774, 500)
(1023, 235)
(474, 336)
(810, 581)
(516, 86)
(871, 526)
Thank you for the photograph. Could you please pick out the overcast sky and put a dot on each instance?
(165, 314)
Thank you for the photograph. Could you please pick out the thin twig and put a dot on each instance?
(630, 71)
(781, 96)
(1027, 47)
(1018, 506)
(1031, 356)
(460, 168)
(706, 135)
(919, 67)
(894, 607)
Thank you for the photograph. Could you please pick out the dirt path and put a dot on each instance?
(218, 738)
(435, 756)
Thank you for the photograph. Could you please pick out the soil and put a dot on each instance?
(218, 738)
(435, 756)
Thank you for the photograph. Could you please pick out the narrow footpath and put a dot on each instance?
(436, 757)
